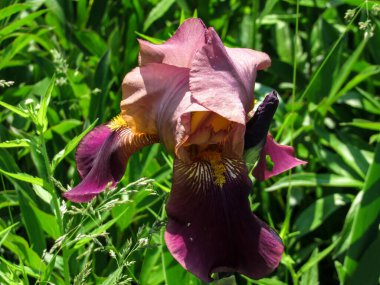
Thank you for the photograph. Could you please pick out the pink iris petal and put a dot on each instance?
(154, 98)
(223, 80)
(212, 229)
(281, 155)
(179, 50)
(102, 157)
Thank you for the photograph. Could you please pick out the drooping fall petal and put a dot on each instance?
(179, 50)
(211, 227)
(89, 148)
(102, 157)
(282, 157)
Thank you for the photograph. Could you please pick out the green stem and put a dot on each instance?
(162, 237)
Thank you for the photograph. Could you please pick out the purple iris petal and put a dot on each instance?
(101, 158)
(258, 139)
(258, 127)
(89, 148)
(282, 157)
(212, 229)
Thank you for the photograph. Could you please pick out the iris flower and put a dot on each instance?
(195, 96)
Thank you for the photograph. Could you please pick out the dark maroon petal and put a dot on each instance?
(102, 157)
(258, 127)
(212, 229)
(282, 157)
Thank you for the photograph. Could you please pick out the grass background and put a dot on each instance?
(61, 67)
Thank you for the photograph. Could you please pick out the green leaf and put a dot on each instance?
(45, 99)
(92, 42)
(65, 126)
(62, 128)
(43, 194)
(268, 281)
(368, 270)
(351, 154)
(317, 258)
(8, 198)
(15, 143)
(21, 249)
(344, 73)
(4, 233)
(150, 39)
(14, 109)
(30, 222)
(315, 180)
(24, 177)
(366, 221)
(48, 222)
(310, 277)
(284, 40)
(13, 9)
(364, 124)
(363, 75)
(28, 20)
(157, 12)
(318, 212)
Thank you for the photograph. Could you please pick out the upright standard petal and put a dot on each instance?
(257, 128)
(102, 157)
(179, 50)
(222, 80)
(152, 96)
(146, 91)
(211, 227)
(282, 157)
(259, 143)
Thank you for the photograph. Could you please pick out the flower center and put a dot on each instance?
(117, 123)
(217, 166)
(207, 128)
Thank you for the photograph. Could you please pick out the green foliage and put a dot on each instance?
(61, 68)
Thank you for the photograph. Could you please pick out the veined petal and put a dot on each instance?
(89, 148)
(148, 90)
(282, 157)
(222, 80)
(102, 157)
(179, 50)
(211, 227)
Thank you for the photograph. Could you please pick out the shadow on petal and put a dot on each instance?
(101, 159)
(212, 229)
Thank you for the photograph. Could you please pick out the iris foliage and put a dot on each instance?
(61, 67)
